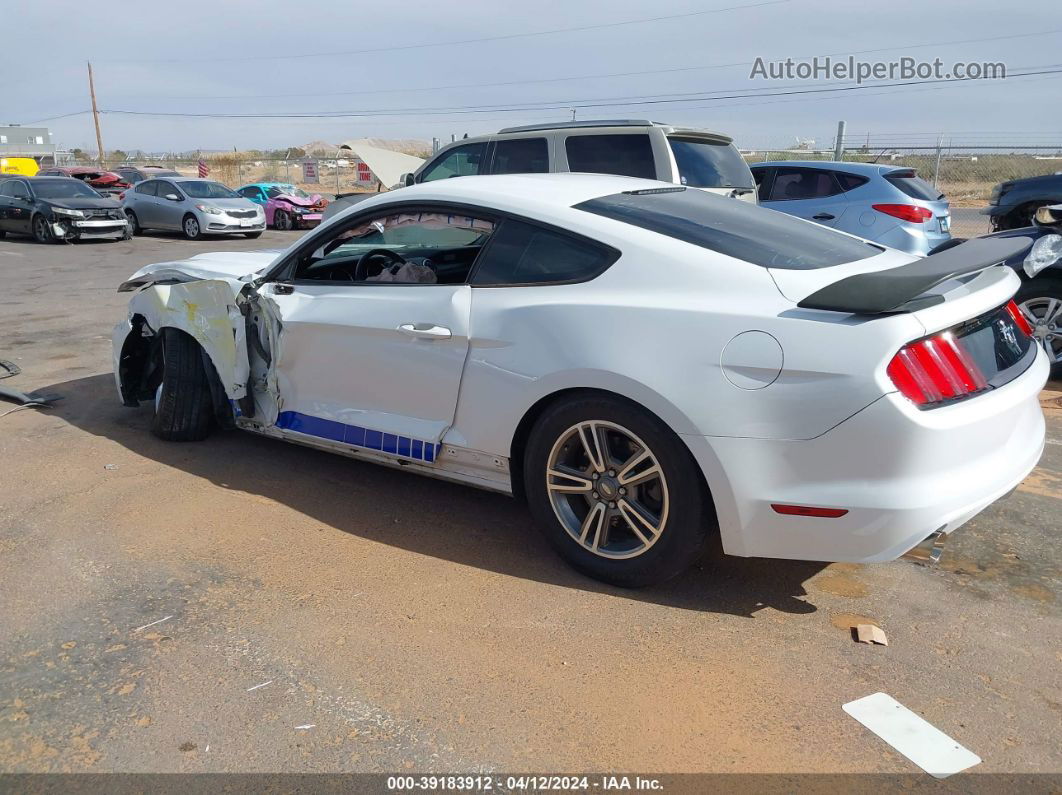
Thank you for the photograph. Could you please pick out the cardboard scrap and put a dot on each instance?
(868, 633)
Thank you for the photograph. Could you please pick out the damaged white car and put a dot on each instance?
(644, 364)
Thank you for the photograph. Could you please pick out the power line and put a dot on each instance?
(671, 70)
(601, 102)
(506, 37)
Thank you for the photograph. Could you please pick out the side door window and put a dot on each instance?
(522, 253)
(374, 329)
(810, 193)
(143, 201)
(462, 161)
(520, 156)
(253, 192)
(627, 155)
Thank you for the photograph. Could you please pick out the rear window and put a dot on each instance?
(709, 164)
(627, 155)
(914, 186)
(738, 229)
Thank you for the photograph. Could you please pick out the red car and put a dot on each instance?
(102, 181)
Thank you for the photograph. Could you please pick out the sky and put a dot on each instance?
(419, 69)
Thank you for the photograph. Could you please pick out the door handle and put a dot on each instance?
(425, 331)
(823, 217)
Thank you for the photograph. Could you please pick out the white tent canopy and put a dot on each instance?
(387, 166)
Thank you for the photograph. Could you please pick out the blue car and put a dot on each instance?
(888, 205)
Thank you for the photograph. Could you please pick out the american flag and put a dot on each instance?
(204, 169)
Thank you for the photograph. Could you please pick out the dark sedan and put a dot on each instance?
(1014, 203)
(54, 209)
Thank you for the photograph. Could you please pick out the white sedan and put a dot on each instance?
(646, 365)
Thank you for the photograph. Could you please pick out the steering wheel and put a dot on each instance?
(361, 272)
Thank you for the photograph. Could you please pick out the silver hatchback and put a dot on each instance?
(888, 205)
(196, 207)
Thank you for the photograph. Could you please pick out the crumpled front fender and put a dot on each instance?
(209, 311)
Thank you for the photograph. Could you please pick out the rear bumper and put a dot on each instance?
(901, 474)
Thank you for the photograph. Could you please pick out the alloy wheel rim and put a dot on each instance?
(282, 221)
(40, 229)
(607, 489)
(1045, 316)
(191, 227)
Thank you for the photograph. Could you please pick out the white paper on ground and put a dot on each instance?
(920, 741)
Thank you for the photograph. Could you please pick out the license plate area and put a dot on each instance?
(945, 223)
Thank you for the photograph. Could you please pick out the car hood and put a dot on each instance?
(240, 266)
(84, 203)
(299, 200)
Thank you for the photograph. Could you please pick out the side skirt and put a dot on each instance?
(455, 464)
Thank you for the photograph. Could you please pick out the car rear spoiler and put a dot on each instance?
(895, 289)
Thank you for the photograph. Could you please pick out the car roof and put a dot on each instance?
(865, 169)
(50, 179)
(548, 191)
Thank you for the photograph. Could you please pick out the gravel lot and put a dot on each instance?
(407, 624)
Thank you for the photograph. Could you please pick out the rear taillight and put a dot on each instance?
(1019, 318)
(905, 212)
(936, 369)
(121, 195)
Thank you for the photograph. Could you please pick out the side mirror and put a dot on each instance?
(407, 180)
(173, 197)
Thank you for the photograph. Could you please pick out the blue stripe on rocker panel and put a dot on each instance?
(356, 436)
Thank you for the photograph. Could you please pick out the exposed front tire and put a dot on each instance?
(183, 405)
(42, 232)
(190, 227)
(282, 222)
(1040, 300)
(615, 491)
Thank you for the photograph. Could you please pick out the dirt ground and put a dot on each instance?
(247, 605)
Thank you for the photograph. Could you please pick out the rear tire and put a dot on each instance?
(134, 223)
(183, 404)
(676, 501)
(1040, 299)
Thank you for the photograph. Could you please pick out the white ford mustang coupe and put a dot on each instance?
(644, 364)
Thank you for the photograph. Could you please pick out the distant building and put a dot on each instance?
(35, 142)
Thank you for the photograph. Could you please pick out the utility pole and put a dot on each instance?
(95, 114)
(838, 144)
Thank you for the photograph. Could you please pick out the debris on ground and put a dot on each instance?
(869, 633)
(306, 726)
(153, 623)
(261, 685)
(913, 736)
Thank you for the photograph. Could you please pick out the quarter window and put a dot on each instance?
(462, 161)
(523, 253)
(803, 183)
(850, 181)
(521, 156)
(627, 155)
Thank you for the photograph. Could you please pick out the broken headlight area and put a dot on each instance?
(62, 212)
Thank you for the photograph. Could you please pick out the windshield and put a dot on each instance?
(734, 228)
(159, 172)
(286, 190)
(64, 189)
(703, 163)
(202, 189)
